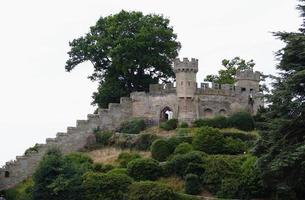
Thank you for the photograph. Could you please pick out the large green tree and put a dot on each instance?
(228, 75)
(282, 147)
(128, 51)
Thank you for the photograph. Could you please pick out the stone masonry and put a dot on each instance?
(186, 101)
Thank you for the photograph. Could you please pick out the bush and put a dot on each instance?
(125, 157)
(118, 171)
(241, 120)
(134, 126)
(144, 169)
(169, 125)
(218, 168)
(110, 186)
(103, 137)
(192, 184)
(144, 141)
(160, 150)
(236, 134)
(175, 141)
(234, 146)
(209, 140)
(195, 168)
(228, 188)
(23, 191)
(147, 190)
(181, 196)
(179, 163)
(182, 132)
(216, 122)
(184, 125)
(102, 168)
(31, 149)
(183, 148)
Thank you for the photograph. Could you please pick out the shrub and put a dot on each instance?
(160, 150)
(134, 126)
(182, 132)
(169, 125)
(118, 171)
(144, 141)
(31, 149)
(181, 196)
(102, 168)
(195, 168)
(125, 157)
(228, 188)
(23, 191)
(236, 134)
(175, 141)
(184, 125)
(179, 163)
(234, 146)
(106, 186)
(192, 184)
(183, 148)
(147, 190)
(103, 137)
(216, 122)
(241, 120)
(209, 140)
(144, 169)
(219, 167)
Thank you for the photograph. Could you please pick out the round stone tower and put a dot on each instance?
(186, 71)
(186, 87)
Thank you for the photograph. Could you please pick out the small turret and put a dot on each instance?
(186, 77)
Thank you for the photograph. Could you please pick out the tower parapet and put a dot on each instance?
(248, 75)
(186, 65)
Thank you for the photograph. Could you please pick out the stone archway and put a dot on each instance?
(208, 113)
(222, 112)
(166, 114)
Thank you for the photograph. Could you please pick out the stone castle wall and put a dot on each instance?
(73, 140)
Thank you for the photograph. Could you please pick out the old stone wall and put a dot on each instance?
(73, 140)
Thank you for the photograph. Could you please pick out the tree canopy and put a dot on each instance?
(128, 51)
(281, 148)
(228, 75)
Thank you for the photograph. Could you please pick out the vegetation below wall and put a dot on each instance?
(182, 163)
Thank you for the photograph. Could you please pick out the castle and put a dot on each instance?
(186, 102)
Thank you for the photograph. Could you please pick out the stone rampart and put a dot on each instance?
(74, 139)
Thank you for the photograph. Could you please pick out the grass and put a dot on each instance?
(109, 155)
(176, 183)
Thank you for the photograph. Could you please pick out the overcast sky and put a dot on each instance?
(39, 99)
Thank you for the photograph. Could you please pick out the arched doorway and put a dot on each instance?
(166, 114)
(207, 113)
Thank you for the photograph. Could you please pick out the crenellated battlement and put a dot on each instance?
(248, 75)
(185, 65)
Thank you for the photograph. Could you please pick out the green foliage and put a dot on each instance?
(192, 184)
(175, 141)
(241, 120)
(147, 190)
(160, 150)
(31, 149)
(243, 136)
(219, 167)
(125, 157)
(179, 163)
(103, 137)
(195, 168)
(144, 141)
(58, 177)
(181, 196)
(101, 168)
(184, 125)
(228, 75)
(144, 169)
(112, 186)
(209, 140)
(182, 132)
(183, 148)
(23, 191)
(134, 126)
(216, 122)
(126, 59)
(118, 171)
(171, 124)
(234, 146)
(228, 188)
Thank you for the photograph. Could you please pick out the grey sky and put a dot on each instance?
(38, 98)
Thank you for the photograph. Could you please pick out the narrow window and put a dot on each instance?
(189, 83)
(181, 83)
(243, 89)
(6, 174)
